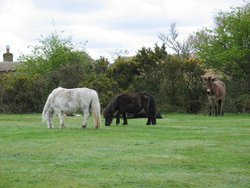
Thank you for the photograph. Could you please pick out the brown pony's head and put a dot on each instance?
(210, 82)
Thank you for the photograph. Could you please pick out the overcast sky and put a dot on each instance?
(103, 27)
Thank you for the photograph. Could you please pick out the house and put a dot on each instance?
(7, 65)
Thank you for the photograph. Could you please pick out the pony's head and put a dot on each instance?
(210, 85)
(108, 114)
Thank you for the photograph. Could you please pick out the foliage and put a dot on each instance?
(149, 63)
(21, 93)
(181, 86)
(53, 52)
(106, 87)
(53, 63)
(172, 84)
(181, 48)
(174, 80)
(101, 65)
(242, 103)
(180, 151)
(194, 97)
(123, 71)
(227, 46)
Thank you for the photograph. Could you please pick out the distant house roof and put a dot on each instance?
(8, 66)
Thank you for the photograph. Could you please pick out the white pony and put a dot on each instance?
(62, 101)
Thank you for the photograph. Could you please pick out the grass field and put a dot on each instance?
(180, 151)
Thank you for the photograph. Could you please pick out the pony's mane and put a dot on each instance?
(111, 106)
(108, 108)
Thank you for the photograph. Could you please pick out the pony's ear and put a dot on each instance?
(214, 79)
(204, 78)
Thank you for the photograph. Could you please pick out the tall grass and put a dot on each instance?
(180, 151)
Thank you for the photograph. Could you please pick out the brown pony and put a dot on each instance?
(216, 91)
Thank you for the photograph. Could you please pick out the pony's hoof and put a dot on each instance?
(84, 126)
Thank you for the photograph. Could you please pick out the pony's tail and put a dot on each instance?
(46, 108)
(152, 109)
(96, 109)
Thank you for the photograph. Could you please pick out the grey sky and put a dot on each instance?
(107, 25)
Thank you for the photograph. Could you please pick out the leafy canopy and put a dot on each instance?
(53, 52)
(227, 46)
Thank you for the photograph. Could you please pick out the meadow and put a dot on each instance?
(180, 151)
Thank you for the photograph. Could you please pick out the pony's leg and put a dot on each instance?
(61, 119)
(148, 121)
(219, 107)
(216, 108)
(210, 110)
(210, 105)
(117, 122)
(153, 120)
(147, 111)
(125, 122)
(49, 121)
(50, 124)
(85, 118)
(222, 107)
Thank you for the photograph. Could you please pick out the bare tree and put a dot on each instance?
(181, 48)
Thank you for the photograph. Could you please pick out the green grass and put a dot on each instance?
(181, 151)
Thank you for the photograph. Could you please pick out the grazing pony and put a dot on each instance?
(216, 92)
(130, 103)
(62, 101)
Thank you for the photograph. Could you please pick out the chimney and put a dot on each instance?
(7, 57)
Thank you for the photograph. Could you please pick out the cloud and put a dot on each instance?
(107, 25)
(66, 6)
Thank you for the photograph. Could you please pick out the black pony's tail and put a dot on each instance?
(152, 110)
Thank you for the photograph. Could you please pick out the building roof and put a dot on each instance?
(8, 66)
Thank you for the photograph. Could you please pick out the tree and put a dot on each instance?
(22, 93)
(182, 49)
(53, 52)
(101, 65)
(227, 46)
(123, 71)
(149, 63)
(106, 87)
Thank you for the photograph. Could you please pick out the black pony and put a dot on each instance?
(130, 103)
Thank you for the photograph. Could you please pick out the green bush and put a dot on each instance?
(242, 103)
(22, 93)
